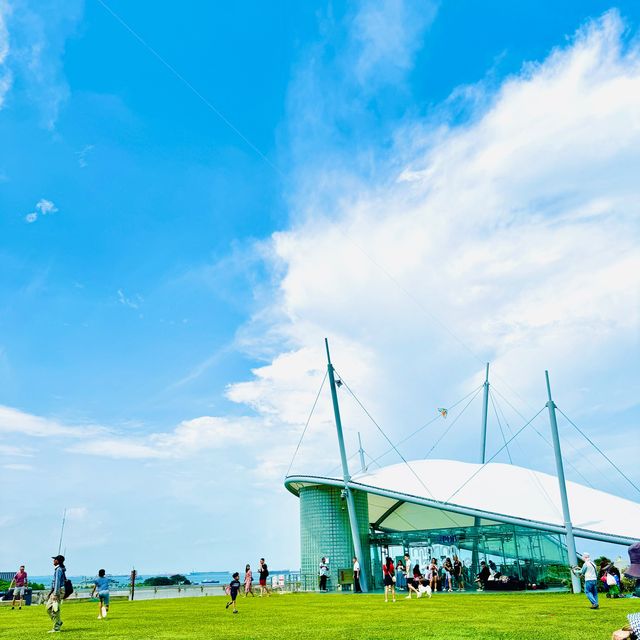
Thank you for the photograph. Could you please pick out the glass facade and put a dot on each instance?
(533, 558)
(325, 531)
(523, 556)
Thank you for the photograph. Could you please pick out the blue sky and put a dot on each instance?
(430, 185)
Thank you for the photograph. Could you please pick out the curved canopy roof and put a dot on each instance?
(423, 494)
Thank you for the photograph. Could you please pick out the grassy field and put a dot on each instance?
(326, 616)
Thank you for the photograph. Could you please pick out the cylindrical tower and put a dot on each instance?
(325, 531)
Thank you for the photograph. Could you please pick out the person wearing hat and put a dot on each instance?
(590, 574)
(56, 593)
(633, 571)
(631, 631)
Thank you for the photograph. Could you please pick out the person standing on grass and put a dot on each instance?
(57, 592)
(19, 584)
(234, 587)
(433, 575)
(448, 575)
(389, 579)
(457, 573)
(263, 572)
(323, 572)
(356, 576)
(401, 581)
(248, 582)
(407, 570)
(101, 587)
(590, 574)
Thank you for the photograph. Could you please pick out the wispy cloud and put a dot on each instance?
(18, 467)
(5, 73)
(385, 37)
(83, 155)
(133, 302)
(13, 451)
(38, 32)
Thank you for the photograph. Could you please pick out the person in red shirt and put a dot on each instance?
(19, 583)
(389, 579)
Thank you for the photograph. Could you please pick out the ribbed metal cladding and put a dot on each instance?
(325, 531)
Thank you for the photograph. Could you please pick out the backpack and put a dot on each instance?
(68, 586)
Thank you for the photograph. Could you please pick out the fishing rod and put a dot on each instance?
(64, 518)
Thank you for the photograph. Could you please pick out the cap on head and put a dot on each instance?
(59, 558)
(586, 556)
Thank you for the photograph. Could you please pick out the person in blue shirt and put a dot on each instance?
(57, 593)
(234, 587)
(101, 586)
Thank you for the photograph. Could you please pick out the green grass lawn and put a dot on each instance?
(323, 616)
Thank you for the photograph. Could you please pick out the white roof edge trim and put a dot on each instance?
(454, 508)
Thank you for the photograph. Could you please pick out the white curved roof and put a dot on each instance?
(499, 489)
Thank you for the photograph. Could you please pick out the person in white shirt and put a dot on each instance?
(590, 574)
(356, 576)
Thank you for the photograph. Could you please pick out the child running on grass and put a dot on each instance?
(101, 588)
(234, 587)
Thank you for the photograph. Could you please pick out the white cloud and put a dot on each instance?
(38, 33)
(5, 73)
(18, 422)
(18, 467)
(513, 235)
(46, 206)
(43, 207)
(13, 451)
(386, 36)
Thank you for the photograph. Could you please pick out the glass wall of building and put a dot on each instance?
(518, 557)
(325, 531)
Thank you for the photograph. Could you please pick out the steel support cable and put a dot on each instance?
(424, 426)
(575, 449)
(386, 437)
(372, 461)
(493, 404)
(313, 408)
(477, 471)
(188, 84)
(264, 157)
(452, 423)
(595, 446)
(532, 474)
(424, 309)
(339, 465)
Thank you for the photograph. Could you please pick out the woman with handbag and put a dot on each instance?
(389, 579)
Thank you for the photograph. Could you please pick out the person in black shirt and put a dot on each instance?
(234, 587)
(263, 572)
(484, 575)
